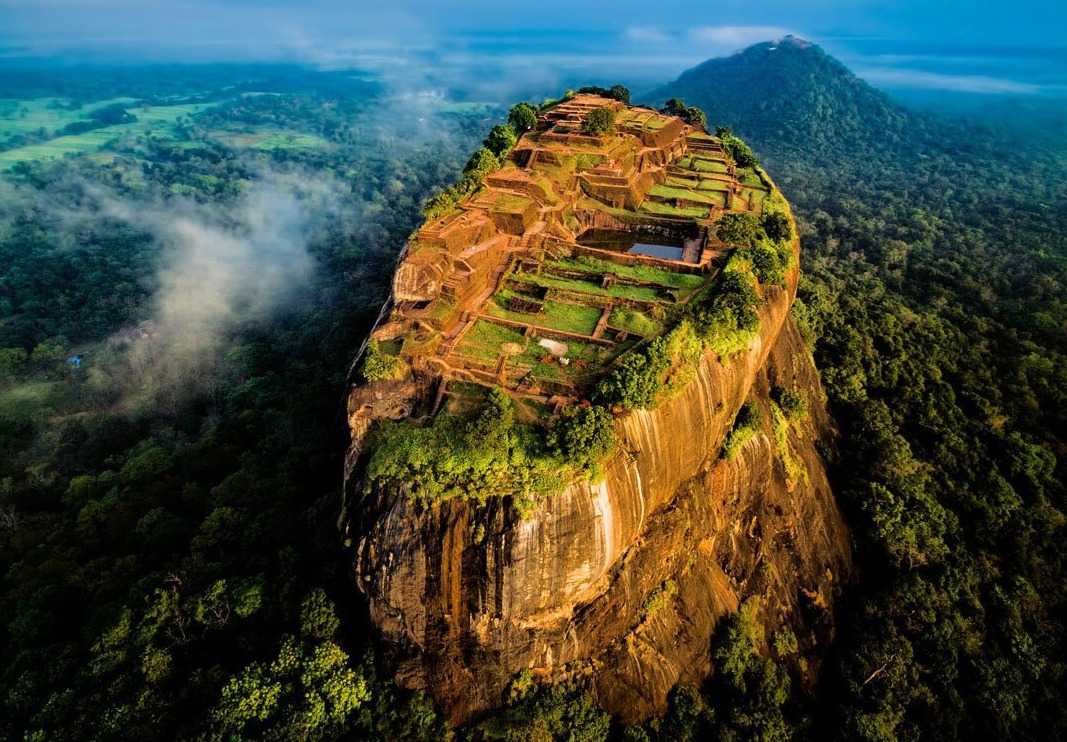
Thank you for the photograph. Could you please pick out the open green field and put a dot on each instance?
(703, 165)
(685, 281)
(674, 181)
(265, 140)
(591, 355)
(756, 196)
(290, 140)
(556, 315)
(687, 194)
(29, 115)
(652, 207)
(510, 204)
(587, 360)
(716, 197)
(714, 183)
(485, 341)
(751, 178)
(592, 286)
(157, 121)
(31, 391)
(632, 321)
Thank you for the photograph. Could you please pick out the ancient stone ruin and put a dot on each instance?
(578, 251)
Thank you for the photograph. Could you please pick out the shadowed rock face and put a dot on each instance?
(468, 595)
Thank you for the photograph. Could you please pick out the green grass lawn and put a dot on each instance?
(485, 339)
(75, 144)
(703, 165)
(35, 391)
(556, 315)
(158, 121)
(483, 344)
(632, 321)
(715, 184)
(510, 204)
(756, 196)
(716, 197)
(652, 207)
(464, 397)
(688, 194)
(21, 116)
(592, 286)
(595, 357)
(685, 281)
(237, 139)
(28, 115)
(753, 179)
(676, 181)
(290, 140)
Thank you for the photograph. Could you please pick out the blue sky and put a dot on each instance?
(976, 46)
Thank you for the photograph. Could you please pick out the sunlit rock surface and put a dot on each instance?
(468, 595)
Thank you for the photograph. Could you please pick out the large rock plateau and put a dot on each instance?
(618, 584)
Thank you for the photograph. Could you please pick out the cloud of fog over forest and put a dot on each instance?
(223, 268)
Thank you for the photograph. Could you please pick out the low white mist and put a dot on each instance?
(217, 275)
(222, 268)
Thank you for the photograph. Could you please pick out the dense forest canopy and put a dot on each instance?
(168, 501)
(171, 558)
(935, 269)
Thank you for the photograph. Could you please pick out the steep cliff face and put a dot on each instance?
(619, 583)
(469, 595)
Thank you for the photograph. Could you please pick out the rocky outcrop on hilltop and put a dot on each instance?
(618, 583)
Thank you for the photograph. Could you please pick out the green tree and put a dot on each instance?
(307, 691)
(481, 163)
(739, 152)
(12, 361)
(378, 366)
(585, 437)
(500, 140)
(777, 227)
(674, 107)
(493, 423)
(599, 122)
(689, 114)
(522, 117)
(753, 690)
(558, 712)
(617, 92)
(635, 382)
(318, 617)
(740, 229)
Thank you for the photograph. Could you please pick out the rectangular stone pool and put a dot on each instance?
(665, 247)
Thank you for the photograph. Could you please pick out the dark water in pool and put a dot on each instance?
(657, 246)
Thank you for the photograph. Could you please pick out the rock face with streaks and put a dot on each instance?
(618, 584)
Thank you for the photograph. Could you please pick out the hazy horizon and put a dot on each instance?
(419, 44)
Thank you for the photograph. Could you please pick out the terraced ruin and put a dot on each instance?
(567, 460)
(578, 250)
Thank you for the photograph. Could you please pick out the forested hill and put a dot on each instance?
(790, 95)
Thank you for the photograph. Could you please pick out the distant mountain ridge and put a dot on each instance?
(791, 96)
